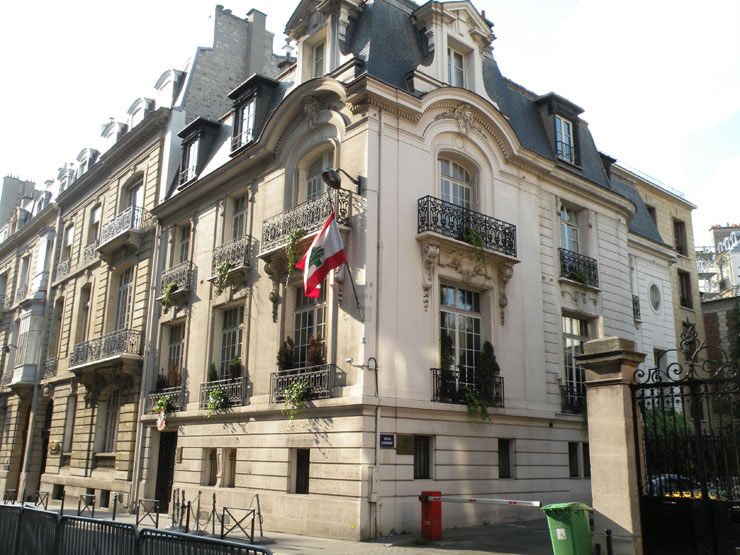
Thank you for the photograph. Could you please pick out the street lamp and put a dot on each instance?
(334, 180)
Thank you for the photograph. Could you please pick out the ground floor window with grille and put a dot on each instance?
(422, 457)
(301, 470)
(229, 468)
(210, 467)
(505, 458)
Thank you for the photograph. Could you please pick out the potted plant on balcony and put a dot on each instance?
(315, 351)
(212, 375)
(446, 360)
(486, 369)
(291, 248)
(167, 301)
(235, 368)
(222, 276)
(286, 355)
(164, 403)
(473, 238)
(173, 374)
(581, 276)
(216, 401)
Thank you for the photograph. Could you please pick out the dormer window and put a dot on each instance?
(244, 129)
(455, 68)
(189, 161)
(564, 139)
(317, 59)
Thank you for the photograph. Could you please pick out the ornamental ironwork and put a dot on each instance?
(134, 218)
(456, 222)
(321, 380)
(573, 399)
(180, 274)
(118, 343)
(309, 216)
(176, 395)
(90, 252)
(49, 369)
(452, 387)
(636, 308)
(236, 252)
(579, 267)
(63, 268)
(233, 389)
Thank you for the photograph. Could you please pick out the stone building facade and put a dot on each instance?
(472, 210)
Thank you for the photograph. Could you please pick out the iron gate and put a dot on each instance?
(687, 420)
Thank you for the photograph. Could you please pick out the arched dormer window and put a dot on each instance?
(112, 132)
(139, 110)
(85, 160)
(168, 88)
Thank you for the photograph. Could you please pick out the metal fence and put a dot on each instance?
(30, 531)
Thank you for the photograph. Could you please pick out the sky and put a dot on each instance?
(659, 80)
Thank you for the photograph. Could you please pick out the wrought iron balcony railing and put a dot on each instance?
(452, 388)
(63, 268)
(572, 399)
(134, 218)
(115, 344)
(566, 152)
(321, 380)
(241, 139)
(21, 293)
(636, 308)
(176, 395)
(579, 267)
(233, 389)
(187, 174)
(90, 252)
(180, 274)
(237, 252)
(456, 222)
(49, 369)
(309, 216)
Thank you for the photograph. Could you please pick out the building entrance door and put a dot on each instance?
(165, 469)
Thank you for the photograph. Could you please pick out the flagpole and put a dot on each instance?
(352, 281)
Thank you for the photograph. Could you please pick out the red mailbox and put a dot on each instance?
(431, 515)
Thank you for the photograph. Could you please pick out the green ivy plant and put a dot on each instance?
(291, 248)
(216, 401)
(164, 403)
(581, 276)
(295, 395)
(167, 300)
(222, 275)
(473, 238)
(476, 406)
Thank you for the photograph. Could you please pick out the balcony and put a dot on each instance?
(321, 380)
(118, 346)
(63, 268)
(181, 275)
(233, 389)
(176, 395)
(124, 233)
(90, 252)
(309, 216)
(453, 389)
(578, 267)
(572, 399)
(49, 368)
(449, 220)
(236, 253)
(22, 376)
(243, 138)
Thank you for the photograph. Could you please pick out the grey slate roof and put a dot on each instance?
(642, 223)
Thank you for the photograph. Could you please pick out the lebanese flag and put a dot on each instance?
(325, 253)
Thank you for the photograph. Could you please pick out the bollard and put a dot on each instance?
(431, 516)
(609, 548)
(115, 505)
(61, 509)
(187, 519)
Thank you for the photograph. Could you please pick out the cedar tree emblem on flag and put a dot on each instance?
(325, 253)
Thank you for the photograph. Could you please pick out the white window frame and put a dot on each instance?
(455, 68)
(176, 347)
(190, 160)
(93, 229)
(247, 114)
(124, 299)
(69, 233)
(564, 142)
(239, 217)
(309, 320)
(184, 243)
(460, 317)
(569, 229)
(457, 184)
(231, 338)
(573, 342)
(318, 59)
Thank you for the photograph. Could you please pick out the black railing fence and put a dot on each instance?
(321, 380)
(117, 343)
(454, 387)
(572, 399)
(30, 531)
(456, 222)
(579, 267)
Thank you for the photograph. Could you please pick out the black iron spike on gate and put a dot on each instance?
(687, 430)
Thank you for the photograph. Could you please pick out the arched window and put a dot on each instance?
(314, 186)
(457, 183)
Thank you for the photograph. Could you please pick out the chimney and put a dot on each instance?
(256, 42)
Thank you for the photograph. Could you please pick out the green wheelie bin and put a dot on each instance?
(570, 532)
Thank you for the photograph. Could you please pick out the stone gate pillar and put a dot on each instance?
(610, 367)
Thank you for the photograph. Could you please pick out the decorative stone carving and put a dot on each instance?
(100, 379)
(429, 257)
(275, 269)
(504, 275)
(463, 115)
(467, 265)
(311, 109)
(339, 276)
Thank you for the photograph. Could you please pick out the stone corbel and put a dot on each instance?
(275, 269)
(429, 257)
(429, 32)
(504, 275)
(339, 275)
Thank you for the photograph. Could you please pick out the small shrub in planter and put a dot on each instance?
(216, 401)
(294, 396)
(212, 373)
(164, 403)
(235, 368)
(286, 355)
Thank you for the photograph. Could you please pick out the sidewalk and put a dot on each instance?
(521, 538)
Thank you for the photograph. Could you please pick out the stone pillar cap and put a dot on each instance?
(607, 345)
